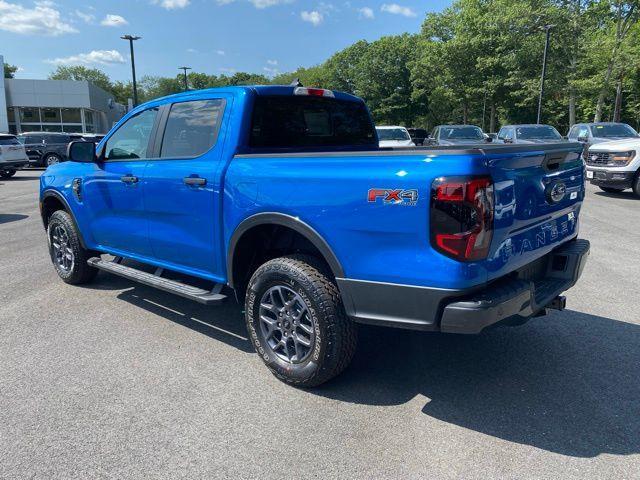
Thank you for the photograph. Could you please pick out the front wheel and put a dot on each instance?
(297, 323)
(68, 255)
(611, 189)
(7, 173)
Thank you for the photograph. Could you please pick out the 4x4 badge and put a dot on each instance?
(393, 196)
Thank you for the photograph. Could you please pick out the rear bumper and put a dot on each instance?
(613, 179)
(514, 298)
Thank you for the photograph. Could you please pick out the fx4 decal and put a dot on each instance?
(391, 196)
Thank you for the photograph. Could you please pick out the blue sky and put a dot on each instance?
(212, 36)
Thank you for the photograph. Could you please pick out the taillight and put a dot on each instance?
(461, 218)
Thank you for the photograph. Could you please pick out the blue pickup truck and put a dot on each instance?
(280, 196)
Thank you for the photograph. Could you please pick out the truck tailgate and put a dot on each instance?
(537, 197)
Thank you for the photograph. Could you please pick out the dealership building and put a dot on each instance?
(56, 106)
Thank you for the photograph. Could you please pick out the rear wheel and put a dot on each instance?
(68, 255)
(7, 173)
(296, 321)
(611, 189)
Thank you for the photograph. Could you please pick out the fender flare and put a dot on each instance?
(295, 224)
(58, 196)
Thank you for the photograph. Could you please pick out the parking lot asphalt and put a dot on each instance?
(117, 380)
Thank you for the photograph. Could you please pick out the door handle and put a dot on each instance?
(129, 179)
(197, 181)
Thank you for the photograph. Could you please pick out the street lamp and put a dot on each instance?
(186, 83)
(131, 39)
(547, 29)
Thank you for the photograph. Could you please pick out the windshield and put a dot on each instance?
(613, 130)
(392, 134)
(467, 133)
(538, 131)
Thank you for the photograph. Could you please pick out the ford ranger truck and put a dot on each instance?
(615, 166)
(282, 196)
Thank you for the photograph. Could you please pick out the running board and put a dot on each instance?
(200, 295)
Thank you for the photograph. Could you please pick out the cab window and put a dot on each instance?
(131, 140)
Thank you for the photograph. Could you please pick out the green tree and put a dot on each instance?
(79, 72)
(10, 70)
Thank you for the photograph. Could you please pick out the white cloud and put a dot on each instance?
(314, 17)
(101, 57)
(42, 19)
(272, 62)
(220, 52)
(366, 12)
(172, 4)
(113, 21)
(272, 72)
(192, 50)
(260, 4)
(85, 17)
(396, 9)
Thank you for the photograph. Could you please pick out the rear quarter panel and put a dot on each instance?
(372, 240)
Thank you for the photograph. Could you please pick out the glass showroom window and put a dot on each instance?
(89, 121)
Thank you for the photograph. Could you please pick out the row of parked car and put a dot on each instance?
(611, 150)
(37, 149)
(587, 133)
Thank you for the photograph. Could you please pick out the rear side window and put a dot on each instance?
(9, 141)
(301, 121)
(192, 128)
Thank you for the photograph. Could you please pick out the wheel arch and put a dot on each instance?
(53, 201)
(273, 219)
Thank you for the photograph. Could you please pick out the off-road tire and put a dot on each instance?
(7, 173)
(611, 189)
(80, 272)
(335, 334)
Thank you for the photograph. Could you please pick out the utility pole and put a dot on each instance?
(186, 82)
(547, 29)
(131, 39)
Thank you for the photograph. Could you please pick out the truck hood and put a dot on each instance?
(531, 141)
(461, 141)
(396, 143)
(613, 139)
(617, 145)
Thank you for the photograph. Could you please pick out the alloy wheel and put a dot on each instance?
(61, 248)
(287, 325)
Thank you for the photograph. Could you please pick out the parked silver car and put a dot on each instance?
(12, 156)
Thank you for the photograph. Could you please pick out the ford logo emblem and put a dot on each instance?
(555, 192)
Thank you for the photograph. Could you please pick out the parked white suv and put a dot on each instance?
(12, 155)
(394, 136)
(615, 166)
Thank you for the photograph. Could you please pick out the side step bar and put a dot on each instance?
(200, 295)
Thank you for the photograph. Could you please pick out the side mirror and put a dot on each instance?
(583, 139)
(81, 151)
(488, 138)
(508, 140)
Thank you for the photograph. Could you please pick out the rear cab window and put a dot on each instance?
(309, 122)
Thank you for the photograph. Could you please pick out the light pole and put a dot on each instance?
(547, 29)
(131, 39)
(186, 83)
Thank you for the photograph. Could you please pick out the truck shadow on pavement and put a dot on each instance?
(625, 195)
(11, 217)
(224, 322)
(568, 383)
